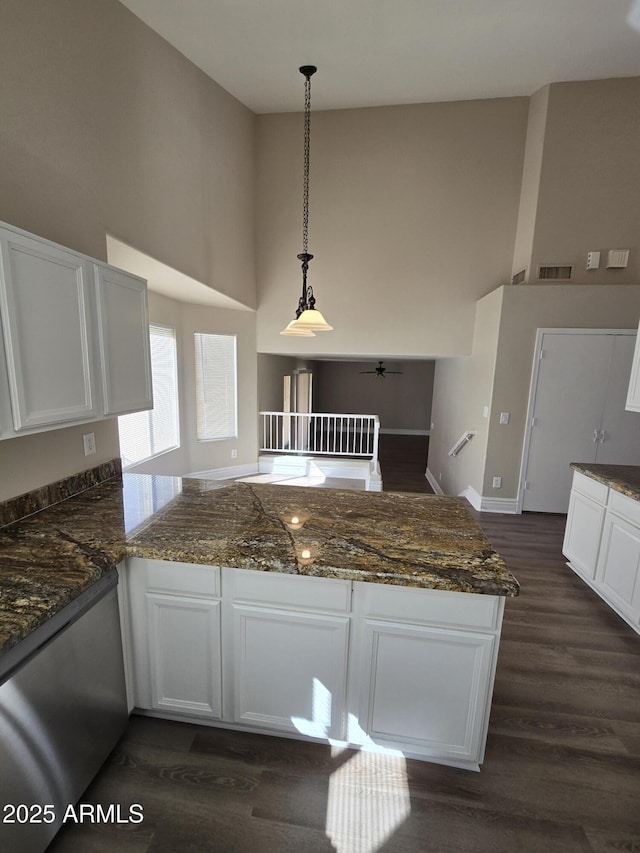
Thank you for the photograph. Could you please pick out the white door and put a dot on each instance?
(619, 442)
(565, 419)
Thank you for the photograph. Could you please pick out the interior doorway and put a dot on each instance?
(576, 412)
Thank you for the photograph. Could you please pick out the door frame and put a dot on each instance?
(533, 388)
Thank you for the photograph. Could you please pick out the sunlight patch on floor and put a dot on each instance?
(368, 799)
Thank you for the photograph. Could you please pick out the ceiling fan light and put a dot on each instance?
(312, 320)
(294, 329)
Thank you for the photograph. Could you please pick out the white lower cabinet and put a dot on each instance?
(290, 671)
(426, 687)
(360, 663)
(587, 508)
(422, 670)
(618, 573)
(602, 544)
(174, 623)
(287, 646)
(184, 655)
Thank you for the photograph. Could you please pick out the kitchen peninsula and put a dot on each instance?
(371, 619)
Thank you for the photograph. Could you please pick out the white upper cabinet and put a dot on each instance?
(75, 337)
(633, 394)
(46, 318)
(125, 361)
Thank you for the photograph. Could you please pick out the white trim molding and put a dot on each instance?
(506, 506)
(230, 473)
(435, 485)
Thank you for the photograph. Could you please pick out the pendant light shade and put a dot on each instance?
(312, 320)
(308, 319)
(294, 329)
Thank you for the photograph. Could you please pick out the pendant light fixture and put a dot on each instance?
(308, 319)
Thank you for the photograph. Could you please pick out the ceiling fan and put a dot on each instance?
(381, 371)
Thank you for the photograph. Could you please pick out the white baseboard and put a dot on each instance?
(506, 506)
(303, 465)
(229, 473)
(435, 485)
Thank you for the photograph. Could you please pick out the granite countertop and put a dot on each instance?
(50, 557)
(620, 478)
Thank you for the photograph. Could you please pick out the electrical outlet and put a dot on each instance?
(234, 454)
(497, 482)
(89, 441)
(504, 417)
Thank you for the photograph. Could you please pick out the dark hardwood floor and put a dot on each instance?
(403, 461)
(561, 771)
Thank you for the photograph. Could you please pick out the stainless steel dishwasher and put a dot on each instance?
(62, 710)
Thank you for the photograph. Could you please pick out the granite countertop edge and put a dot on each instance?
(621, 478)
(51, 557)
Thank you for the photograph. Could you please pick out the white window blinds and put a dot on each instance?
(216, 397)
(147, 434)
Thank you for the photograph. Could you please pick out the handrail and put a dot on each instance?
(321, 434)
(460, 443)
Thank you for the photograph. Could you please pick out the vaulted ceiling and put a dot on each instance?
(379, 52)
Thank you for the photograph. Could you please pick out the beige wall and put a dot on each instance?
(530, 189)
(402, 402)
(462, 389)
(586, 194)
(271, 372)
(412, 218)
(106, 128)
(32, 461)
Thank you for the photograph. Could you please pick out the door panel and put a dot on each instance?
(620, 429)
(569, 401)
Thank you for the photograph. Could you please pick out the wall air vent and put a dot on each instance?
(554, 272)
(518, 277)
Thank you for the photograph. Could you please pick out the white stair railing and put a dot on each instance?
(320, 434)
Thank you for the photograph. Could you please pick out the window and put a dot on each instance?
(147, 434)
(216, 398)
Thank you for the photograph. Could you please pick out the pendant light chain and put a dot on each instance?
(308, 319)
(305, 187)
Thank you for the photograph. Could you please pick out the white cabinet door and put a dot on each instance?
(583, 532)
(618, 572)
(427, 687)
(46, 306)
(184, 655)
(289, 670)
(123, 335)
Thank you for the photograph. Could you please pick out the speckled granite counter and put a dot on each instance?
(621, 478)
(424, 541)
